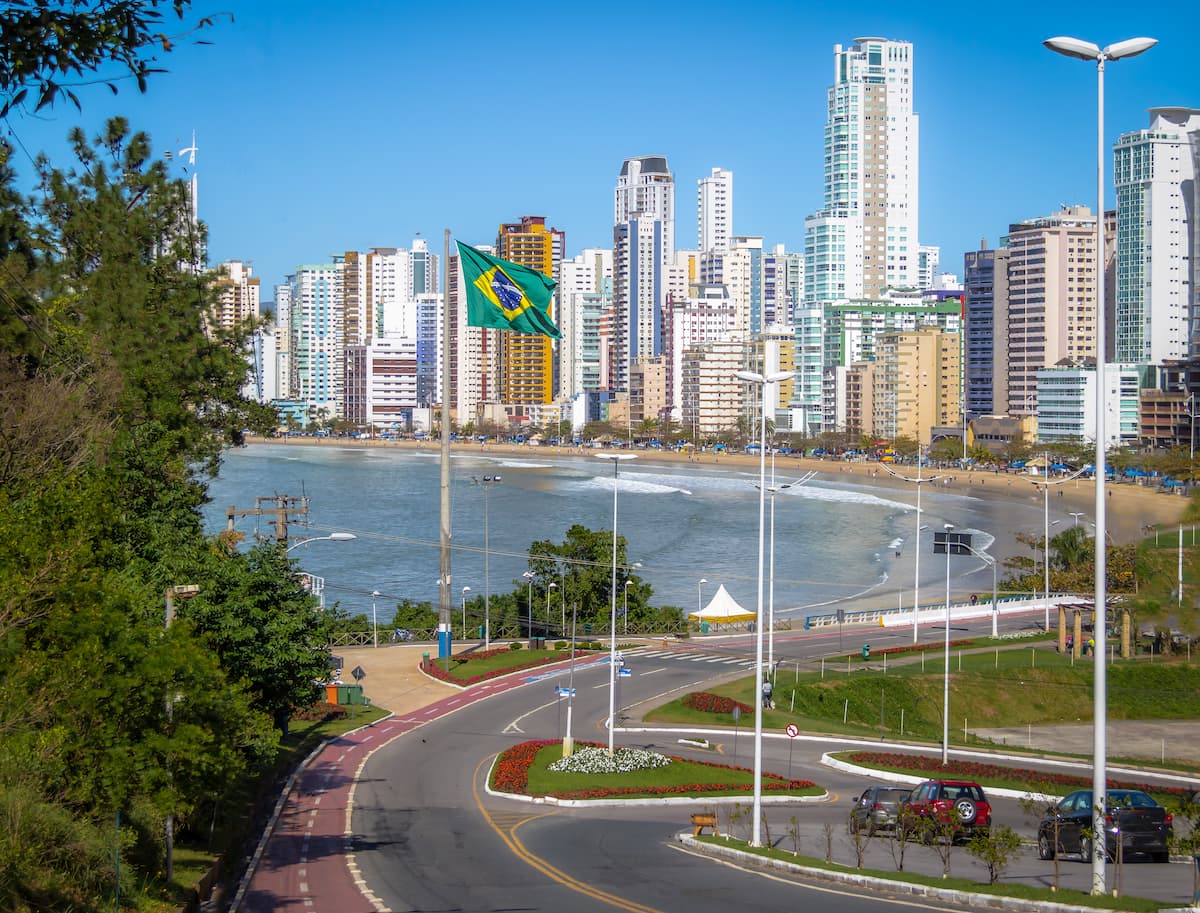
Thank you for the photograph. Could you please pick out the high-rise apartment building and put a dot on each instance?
(714, 210)
(916, 384)
(1051, 307)
(1157, 176)
(237, 295)
(317, 350)
(985, 331)
(863, 241)
(584, 293)
(643, 247)
(526, 360)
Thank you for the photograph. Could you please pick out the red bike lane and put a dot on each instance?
(305, 861)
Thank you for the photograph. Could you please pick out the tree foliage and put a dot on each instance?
(117, 400)
(48, 49)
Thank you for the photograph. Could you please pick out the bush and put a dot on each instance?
(515, 645)
(713, 703)
(320, 712)
(560, 645)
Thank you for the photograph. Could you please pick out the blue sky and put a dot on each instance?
(326, 128)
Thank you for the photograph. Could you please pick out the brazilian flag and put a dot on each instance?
(505, 295)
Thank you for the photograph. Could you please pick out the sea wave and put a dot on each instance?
(633, 485)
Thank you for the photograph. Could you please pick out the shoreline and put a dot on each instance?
(1130, 507)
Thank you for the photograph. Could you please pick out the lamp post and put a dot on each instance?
(946, 675)
(764, 381)
(699, 598)
(375, 594)
(988, 559)
(773, 490)
(625, 607)
(1086, 50)
(528, 575)
(486, 483)
(178, 591)
(612, 640)
(552, 586)
(465, 590)
(1045, 483)
(332, 537)
(1077, 514)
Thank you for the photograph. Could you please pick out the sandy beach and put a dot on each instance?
(1131, 507)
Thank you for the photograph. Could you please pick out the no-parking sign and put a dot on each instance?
(792, 730)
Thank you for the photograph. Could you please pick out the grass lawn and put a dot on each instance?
(681, 778)
(1004, 889)
(1000, 688)
(466, 668)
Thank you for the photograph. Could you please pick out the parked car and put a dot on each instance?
(1142, 824)
(959, 805)
(876, 808)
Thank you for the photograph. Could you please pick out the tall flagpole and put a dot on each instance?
(444, 608)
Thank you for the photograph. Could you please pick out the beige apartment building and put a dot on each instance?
(916, 384)
(1051, 307)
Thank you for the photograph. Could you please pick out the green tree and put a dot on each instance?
(47, 48)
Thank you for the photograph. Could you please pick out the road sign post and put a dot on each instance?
(792, 730)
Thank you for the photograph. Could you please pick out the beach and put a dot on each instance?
(1131, 507)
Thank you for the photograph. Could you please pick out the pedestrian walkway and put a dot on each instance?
(693, 656)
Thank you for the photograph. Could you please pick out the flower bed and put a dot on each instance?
(912, 648)
(435, 669)
(713, 703)
(975, 770)
(511, 774)
(320, 712)
(595, 760)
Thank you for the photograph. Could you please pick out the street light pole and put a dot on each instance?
(988, 559)
(552, 586)
(487, 482)
(1086, 50)
(332, 537)
(465, 590)
(612, 640)
(699, 597)
(179, 591)
(528, 575)
(763, 381)
(946, 676)
(625, 608)
(375, 594)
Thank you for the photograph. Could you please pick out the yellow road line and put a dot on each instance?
(509, 836)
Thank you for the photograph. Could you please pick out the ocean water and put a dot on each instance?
(837, 538)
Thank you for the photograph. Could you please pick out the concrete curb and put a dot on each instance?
(908, 780)
(853, 879)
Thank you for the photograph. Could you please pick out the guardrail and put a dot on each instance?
(980, 608)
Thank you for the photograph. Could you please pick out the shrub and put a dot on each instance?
(320, 712)
(515, 645)
(713, 703)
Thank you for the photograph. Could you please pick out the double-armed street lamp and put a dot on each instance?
(612, 645)
(764, 380)
(528, 575)
(465, 590)
(486, 483)
(1088, 51)
(699, 596)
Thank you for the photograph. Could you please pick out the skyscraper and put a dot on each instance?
(714, 210)
(526, 368)
(1158, 239)
(864, 239)
(643, 246)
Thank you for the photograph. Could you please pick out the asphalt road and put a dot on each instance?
(428, 837)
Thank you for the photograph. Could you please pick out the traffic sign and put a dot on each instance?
(359, 673)
(565, 692)
(625, 673)
(792, 730)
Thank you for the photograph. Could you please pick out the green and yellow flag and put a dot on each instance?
(506, 296)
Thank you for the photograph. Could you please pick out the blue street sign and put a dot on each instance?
(565, 692)
(625, 672)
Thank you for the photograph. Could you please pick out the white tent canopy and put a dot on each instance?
(722, 609)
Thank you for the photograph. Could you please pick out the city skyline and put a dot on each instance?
(379, 137)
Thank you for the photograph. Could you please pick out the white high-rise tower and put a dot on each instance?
(714, 210)
(643, 250)
(864, 239)
(1158, 240)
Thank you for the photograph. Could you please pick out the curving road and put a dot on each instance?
(427, 836)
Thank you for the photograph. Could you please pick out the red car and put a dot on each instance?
(957, 804)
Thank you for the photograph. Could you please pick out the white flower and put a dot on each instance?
(598, 761)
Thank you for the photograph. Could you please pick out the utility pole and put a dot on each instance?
(284, 506)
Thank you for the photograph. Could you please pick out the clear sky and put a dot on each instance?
(330, 127)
